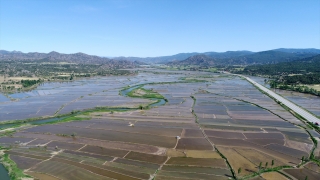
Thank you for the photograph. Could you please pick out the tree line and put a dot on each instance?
(28, 83)
(294, 87)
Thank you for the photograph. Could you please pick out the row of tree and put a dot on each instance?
(303, 79)
(28, 83)
(298, 88)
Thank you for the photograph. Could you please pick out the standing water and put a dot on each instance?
(4, 173)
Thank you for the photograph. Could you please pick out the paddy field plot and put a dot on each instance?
(203, 127)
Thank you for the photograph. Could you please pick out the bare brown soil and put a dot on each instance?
(273, 176)
(128, 171)
(146, 157)
(175, 153)
(100, 157)
(96, 170)
(302, 173)
(202, 154)
(191, 175)
(64, 145)
(237, 161)
(256, 157)
(111, 135)
(104, 151)
(193, 133)
(313, 166)
(205, 170)
(264, 142)
(27, 155)
(299, 146)
(95, 142)
(66, 171)
(137, 163)
(41, 176)
(194, 144)
(224, 134)
(264, 135)
(24, 162)
(202, 162)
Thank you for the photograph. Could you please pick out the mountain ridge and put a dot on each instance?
(242, 57)
(263, 57)
(78, 58)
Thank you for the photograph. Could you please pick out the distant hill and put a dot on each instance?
(264, 57)
(227, 54)
(268, 57)
(200, 60)
(299, 51)
(290, 75)
(158, 60)
(78, 58)
(302, 66)
(183, 56)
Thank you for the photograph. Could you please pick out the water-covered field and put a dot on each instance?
(212, 126)
(307, 101)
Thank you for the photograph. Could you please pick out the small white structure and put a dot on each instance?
(131, 124)
(178, 137)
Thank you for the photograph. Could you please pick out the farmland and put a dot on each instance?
(159, 124)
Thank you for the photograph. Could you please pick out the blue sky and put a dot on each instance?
(157, 27)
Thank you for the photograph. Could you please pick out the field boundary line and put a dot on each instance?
(126, 154)
(159, 169)
(82, 147)
(30, 141)
(52, 155)
(57, 160)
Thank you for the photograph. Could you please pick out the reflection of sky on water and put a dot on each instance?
(307, 101)
(77, 95)
(3, 98)
(104, 91)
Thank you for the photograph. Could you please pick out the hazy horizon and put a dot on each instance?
(153, 56)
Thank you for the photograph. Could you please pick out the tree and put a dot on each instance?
(239, 170)
(272, 162)
(266, 165)
(260, 164)
(302, 159)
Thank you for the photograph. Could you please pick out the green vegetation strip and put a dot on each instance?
(264, 170)
(144, 93)
(14, 172)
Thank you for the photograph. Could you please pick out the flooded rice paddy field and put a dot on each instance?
(307, 101)
(201, 127)
(61, 98)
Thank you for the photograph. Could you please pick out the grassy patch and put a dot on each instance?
(105, 109)
(144, 93)
(7, 133)
(68, 119)
(14, 172)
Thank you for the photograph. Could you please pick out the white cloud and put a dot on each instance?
(84, 8)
